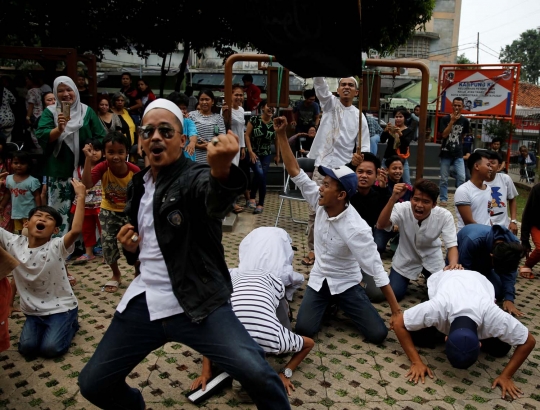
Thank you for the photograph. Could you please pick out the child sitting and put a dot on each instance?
(91, 207)
(47, 299)
(25, 190)
(114, 174)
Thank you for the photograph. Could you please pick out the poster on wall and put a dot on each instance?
(484, 91)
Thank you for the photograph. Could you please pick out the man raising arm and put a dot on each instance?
(346, 250)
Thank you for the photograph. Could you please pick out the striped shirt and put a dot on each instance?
(256, 295)
(206, 125)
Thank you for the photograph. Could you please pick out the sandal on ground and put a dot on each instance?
(309, 260)
(112, 286)
(526, 272)
(237, 209)
(72, 280)
(258, 210)
(83, 259)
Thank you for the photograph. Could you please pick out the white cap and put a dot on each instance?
(166, 105)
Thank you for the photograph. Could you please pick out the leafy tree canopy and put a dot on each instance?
(150, 26)
(525, 50)
(462, 59)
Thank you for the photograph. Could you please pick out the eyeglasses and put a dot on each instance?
(146, 131)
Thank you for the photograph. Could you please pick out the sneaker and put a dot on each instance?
(258, 210)
(252, 204)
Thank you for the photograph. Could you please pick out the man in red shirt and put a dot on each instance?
(253, 93)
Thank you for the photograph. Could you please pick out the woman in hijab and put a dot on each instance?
(62, 140)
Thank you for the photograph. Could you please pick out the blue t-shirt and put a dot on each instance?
(22, 196)
(467, 144)
(190, 130)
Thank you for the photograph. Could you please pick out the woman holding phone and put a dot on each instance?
(208, 123)
(398, 137)
(62, 140)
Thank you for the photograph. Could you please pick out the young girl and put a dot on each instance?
(114, 174)
(91, 206)
(25, 190)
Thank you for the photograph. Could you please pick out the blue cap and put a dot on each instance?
(346, 176)
(462, 345)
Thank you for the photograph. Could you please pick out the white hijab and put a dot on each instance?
(268, 250)
(77, 113)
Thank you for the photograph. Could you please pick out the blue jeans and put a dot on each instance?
(504, 285)
(374, 144)
(221, 337)
(400, 283)
(260, 170)
(136, 119)
(355, 304)
(459, 167)
(48, 336)
(381, 238)
(406, 172)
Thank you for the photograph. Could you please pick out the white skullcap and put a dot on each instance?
(354, 79)
(166, 105)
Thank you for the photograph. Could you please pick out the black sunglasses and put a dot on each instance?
(146, 131)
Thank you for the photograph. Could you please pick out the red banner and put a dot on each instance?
(527, 124)
(484, 91)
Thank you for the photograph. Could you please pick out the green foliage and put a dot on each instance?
(525, 50)
(462, 59)
(499, 129)
(146, 27)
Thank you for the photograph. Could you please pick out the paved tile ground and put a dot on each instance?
(343, 372)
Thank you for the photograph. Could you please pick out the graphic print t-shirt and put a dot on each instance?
(113, 187)
(502, 190)
(262, 136)
(452, 146)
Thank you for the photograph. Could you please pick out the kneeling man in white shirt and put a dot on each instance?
(344, 247)
(421, 222)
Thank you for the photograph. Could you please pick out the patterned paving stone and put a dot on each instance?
(343, 372)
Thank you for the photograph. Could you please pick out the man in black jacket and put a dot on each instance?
(182, 293)
(369, 201)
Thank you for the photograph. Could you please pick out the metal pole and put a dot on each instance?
(360, 93)
(229, 73)
(423, 103)
(477, 48)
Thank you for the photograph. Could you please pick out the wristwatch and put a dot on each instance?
(513, 221)
(287, 372)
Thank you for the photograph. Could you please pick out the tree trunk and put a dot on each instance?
(183, 65)
(163, 73)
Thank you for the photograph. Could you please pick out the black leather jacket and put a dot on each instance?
(188, 208)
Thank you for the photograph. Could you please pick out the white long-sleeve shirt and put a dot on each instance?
(464, 293)
(338, 130)
(419, 245)
(343, 245)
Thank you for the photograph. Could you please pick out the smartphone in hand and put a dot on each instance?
(66, 110)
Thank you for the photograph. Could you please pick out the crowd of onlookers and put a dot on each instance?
(72, 177)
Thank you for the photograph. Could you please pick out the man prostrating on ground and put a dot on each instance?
(462, 306)
(343, 245)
